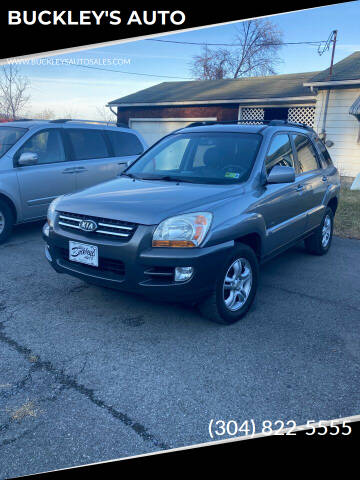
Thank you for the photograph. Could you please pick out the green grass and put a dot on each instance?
(347, 218)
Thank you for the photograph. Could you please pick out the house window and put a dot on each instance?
(355, 110)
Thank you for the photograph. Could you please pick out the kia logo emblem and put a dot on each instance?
(88, 226)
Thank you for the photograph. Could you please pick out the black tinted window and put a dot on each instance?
(324, 153)
(48, 146)
(124, 144)
(87, 144)
(306, 155)
(280, 152)
(9, 136)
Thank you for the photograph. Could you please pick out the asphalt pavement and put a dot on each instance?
(90, 374)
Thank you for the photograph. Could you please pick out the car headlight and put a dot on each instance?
(187, 230)
(51, 214)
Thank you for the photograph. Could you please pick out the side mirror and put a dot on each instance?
(28, 158)
(329, 143)
(279, 174)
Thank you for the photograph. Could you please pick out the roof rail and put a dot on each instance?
(79, 120)
(267, 123)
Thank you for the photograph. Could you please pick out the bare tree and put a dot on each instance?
(258, 43)
(13, 91)
(105, 114)
(69, 113)
(46, 114)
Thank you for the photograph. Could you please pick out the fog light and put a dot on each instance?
(183, 273)
(46, 229)
(47, 253)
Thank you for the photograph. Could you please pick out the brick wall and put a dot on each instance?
(221, 112)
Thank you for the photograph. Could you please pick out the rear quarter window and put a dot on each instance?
(124, 144)
(324, 154)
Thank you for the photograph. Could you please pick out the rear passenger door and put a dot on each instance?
(281, 204)
(125, 147)
(90, 152)
(311, 176)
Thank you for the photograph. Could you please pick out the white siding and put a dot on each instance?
(342, 129)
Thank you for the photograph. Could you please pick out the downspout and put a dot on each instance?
(115, 113)
(323, 129)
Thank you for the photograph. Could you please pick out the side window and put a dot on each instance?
(87, 144)
(306, 155)
(324, 153)
(124, 144)
(47, 144)
(280, 152)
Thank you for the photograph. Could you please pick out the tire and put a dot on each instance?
(6, 221)
(219, 306)
(320, 241)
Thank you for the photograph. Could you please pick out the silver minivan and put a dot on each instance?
(40, 160)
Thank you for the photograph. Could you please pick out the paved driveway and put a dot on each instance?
(89, 374)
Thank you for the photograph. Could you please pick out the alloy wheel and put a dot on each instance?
(326, 231)
(237, 284)
(2, 222)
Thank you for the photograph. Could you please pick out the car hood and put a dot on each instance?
(146, 202)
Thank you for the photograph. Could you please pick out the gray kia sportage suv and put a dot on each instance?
(40, 160)
(194, 216)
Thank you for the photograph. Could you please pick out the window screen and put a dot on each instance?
(87, 144)
(125, 144)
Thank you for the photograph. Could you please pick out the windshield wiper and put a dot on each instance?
(167, 178)
(130, 175)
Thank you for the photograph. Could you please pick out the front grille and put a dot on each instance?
(106, 227)
(105, 264)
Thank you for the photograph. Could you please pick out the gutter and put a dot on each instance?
(333, 83)
(215, 102)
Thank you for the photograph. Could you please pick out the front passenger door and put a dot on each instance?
(51, 177)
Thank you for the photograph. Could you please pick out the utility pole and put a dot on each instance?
(332, 39)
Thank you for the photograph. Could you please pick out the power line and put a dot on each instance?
(126, 73)
(265, 44)
(317, 43)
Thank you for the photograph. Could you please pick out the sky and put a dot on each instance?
(70, 90)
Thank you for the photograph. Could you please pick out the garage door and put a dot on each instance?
(154, 129)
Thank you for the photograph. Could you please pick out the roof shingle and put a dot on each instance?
(276, 86)
(271, 87)
(346, 69)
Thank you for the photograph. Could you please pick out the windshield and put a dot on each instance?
(9, 136)
(212, 157)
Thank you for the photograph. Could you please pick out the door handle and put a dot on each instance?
(81, 169)
(300, 188)
(69, 170)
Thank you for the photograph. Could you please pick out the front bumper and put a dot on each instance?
(137, 267)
